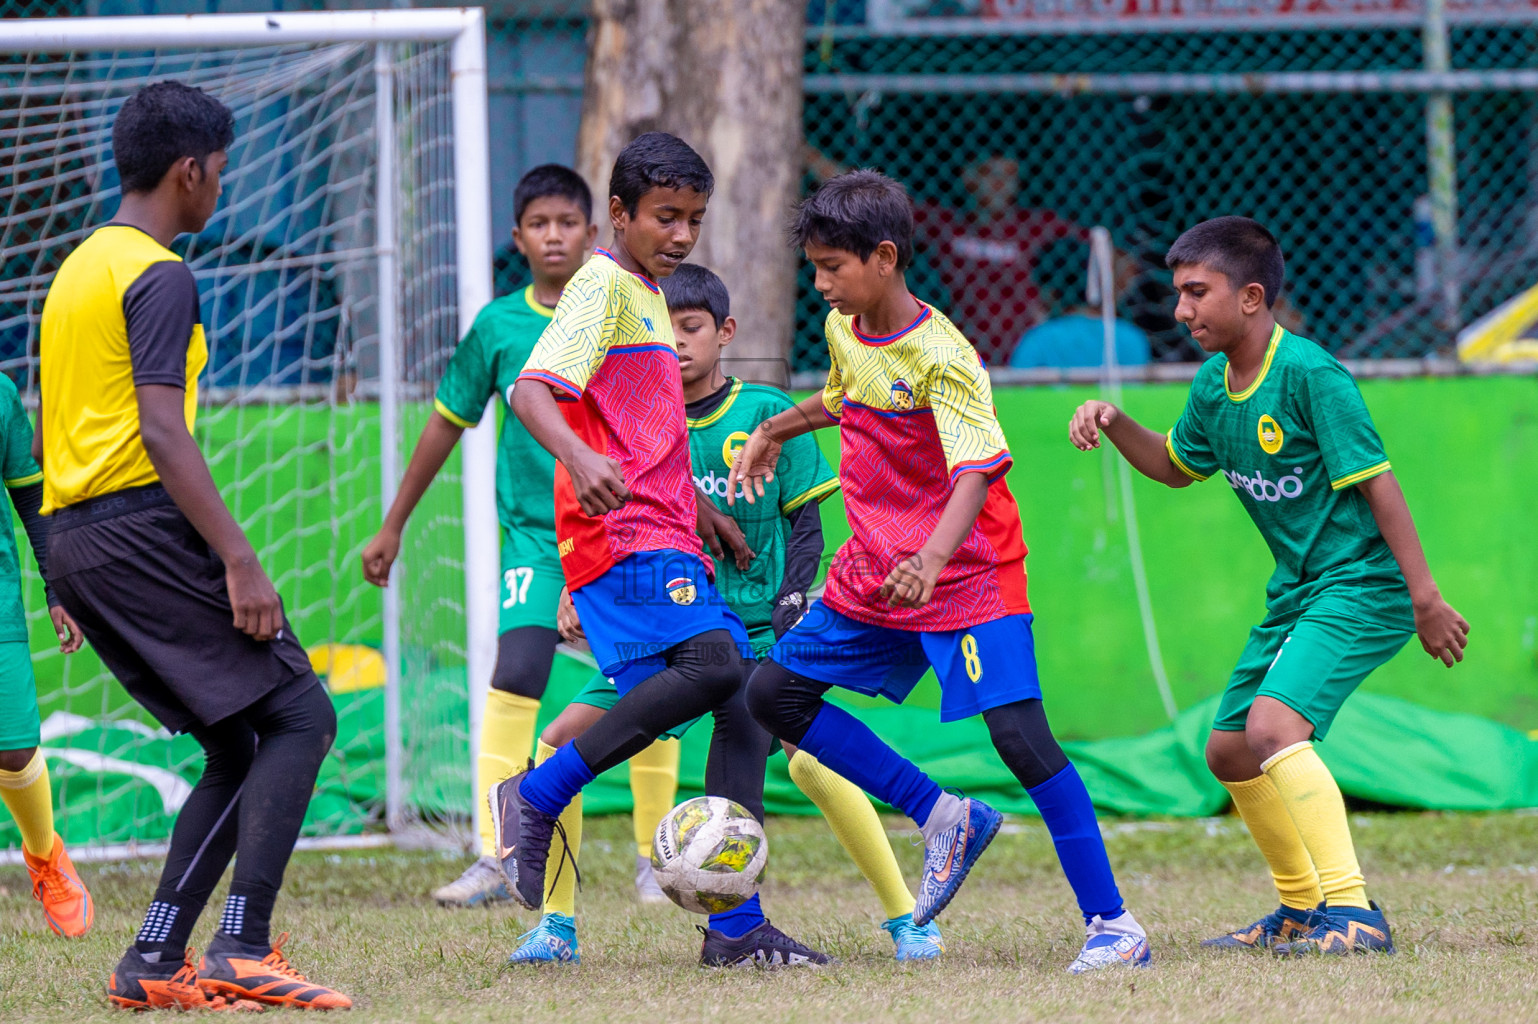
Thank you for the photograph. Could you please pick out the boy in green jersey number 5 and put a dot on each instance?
(1284, 423)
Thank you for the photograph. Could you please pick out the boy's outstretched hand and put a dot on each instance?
(753, 467)
(379, 555)
(1087, 423)
(1443, 632)
(598, 481)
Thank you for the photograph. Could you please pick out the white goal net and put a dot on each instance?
(331, 298)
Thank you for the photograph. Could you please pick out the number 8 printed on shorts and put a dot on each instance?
(969, 656)
(517, 582)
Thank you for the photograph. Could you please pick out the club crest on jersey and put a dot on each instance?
(902, 395)
(681, 590)
(1270, 433)
(732, 445)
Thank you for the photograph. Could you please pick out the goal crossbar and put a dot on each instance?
(52, 35)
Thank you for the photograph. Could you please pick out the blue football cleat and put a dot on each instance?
(914, 942)
(1281, 925)
(1119, 942)
(949, 856)
(554, 941)
(1344, 930)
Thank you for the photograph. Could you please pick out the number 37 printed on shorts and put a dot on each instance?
(516, 582)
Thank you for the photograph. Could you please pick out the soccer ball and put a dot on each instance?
(709, 854)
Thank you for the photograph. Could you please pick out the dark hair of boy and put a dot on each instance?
(1236, 247)
(552, 180)
(692, 286)
(856, 212)
(163, 123)
(657, 160)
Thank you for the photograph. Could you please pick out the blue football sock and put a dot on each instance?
(847, 746)
(1068, 814)
(734, 924)
(551, 785)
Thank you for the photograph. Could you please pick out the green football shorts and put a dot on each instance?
(1314, 660)
(20, 727)
(600, 693)
(531, 583)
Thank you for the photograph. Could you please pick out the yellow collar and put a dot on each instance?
(1276, 336)
(534, 304)
(720, 410)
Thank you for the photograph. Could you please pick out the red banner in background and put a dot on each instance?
(995, 15)
(1030, 10)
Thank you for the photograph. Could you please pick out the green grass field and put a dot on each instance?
(1460, 891)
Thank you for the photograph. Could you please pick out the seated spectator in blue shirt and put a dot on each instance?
(1073, 338)
(1077, 339)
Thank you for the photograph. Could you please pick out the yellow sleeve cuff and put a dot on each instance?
(816, 493)
(24, 481)
(1360, 475)
(449, 415)
(1169, 446)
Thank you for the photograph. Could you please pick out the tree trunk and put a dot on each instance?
(725, 76)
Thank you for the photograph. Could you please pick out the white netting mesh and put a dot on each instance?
(288, 271)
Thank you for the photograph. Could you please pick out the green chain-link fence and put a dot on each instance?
(1404, 187)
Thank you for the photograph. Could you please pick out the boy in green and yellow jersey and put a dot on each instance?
(1284, 423)
(24, 785)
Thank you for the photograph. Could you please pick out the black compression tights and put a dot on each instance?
(249, 803)
(787, 703)
(524, 657)
(704, 674)
(1025, 742)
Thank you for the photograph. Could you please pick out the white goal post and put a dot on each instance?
(51, 63)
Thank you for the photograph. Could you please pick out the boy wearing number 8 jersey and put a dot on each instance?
(934, 574)
(1284, 423)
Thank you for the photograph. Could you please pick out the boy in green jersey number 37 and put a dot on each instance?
(1284, 423)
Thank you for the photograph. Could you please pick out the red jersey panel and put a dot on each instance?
(609, 355)
(915, 413)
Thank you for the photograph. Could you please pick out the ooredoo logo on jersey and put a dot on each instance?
(1258, 487)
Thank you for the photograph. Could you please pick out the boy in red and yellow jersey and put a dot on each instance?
(934, 574)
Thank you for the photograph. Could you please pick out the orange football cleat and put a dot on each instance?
(137, 984)
(67, 905)
(237, 971)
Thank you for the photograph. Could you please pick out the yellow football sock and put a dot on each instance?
(560, 879)
(857, 829)
(653, 786)
(1264, 813)
(29, 798)
(507, 733)
(1313, 801)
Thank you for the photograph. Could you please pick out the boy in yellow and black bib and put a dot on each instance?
(144, 554)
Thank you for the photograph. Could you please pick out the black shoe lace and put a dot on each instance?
(537, 825)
